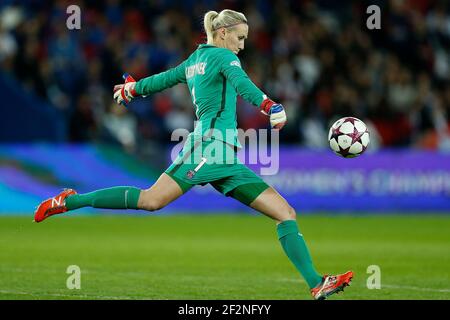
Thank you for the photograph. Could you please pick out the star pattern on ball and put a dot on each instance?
(348, 142)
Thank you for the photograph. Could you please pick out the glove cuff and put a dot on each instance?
(127, 95)
(266, 105)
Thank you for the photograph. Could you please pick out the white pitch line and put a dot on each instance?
(68, 295)
(413, 288)
(143, 298)
(390, 286)
(293, 280)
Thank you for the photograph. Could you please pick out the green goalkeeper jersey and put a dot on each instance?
(214, 77)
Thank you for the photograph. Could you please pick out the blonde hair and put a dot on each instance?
(213, 21)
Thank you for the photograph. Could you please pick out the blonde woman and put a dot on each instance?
(214, 76)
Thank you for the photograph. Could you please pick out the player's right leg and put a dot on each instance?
(160, 194)
(164, 191)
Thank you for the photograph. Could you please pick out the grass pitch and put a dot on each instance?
(219, 256)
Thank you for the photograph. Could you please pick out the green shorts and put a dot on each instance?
(206, 160)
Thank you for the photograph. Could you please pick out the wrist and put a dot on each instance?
(130, 89)
(266, 105)
(133, 89)
(137, 89)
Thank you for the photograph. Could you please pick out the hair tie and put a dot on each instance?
(228, 26)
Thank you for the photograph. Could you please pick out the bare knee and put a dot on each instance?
(150, 202)
(153, 205)
(272, 204)
(288, 214)
(292, 214)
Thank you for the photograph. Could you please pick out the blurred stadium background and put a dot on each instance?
(60, 127)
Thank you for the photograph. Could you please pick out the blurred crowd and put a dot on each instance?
(318, 58)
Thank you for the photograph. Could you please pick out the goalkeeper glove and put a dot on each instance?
(276, 113)
(124, 93)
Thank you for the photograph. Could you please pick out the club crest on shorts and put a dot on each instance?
(190, 174)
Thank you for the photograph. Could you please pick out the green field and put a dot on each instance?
(219, 256)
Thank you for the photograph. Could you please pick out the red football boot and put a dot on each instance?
(331, 284)
(55, 205)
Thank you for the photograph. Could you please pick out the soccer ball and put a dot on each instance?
(348, 137)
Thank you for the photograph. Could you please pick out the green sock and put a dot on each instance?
(295, 248)
(110, 198)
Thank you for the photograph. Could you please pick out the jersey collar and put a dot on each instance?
(205, 45)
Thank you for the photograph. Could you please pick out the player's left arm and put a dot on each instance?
(232, 70)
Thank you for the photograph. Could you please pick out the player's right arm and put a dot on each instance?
(161, 81)
(124, 93)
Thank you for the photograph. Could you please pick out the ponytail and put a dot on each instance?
(208, 25)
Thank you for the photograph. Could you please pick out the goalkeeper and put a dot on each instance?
(214, 76)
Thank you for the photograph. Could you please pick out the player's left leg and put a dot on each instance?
(245, 186)
(272, 204)
(248, 188)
